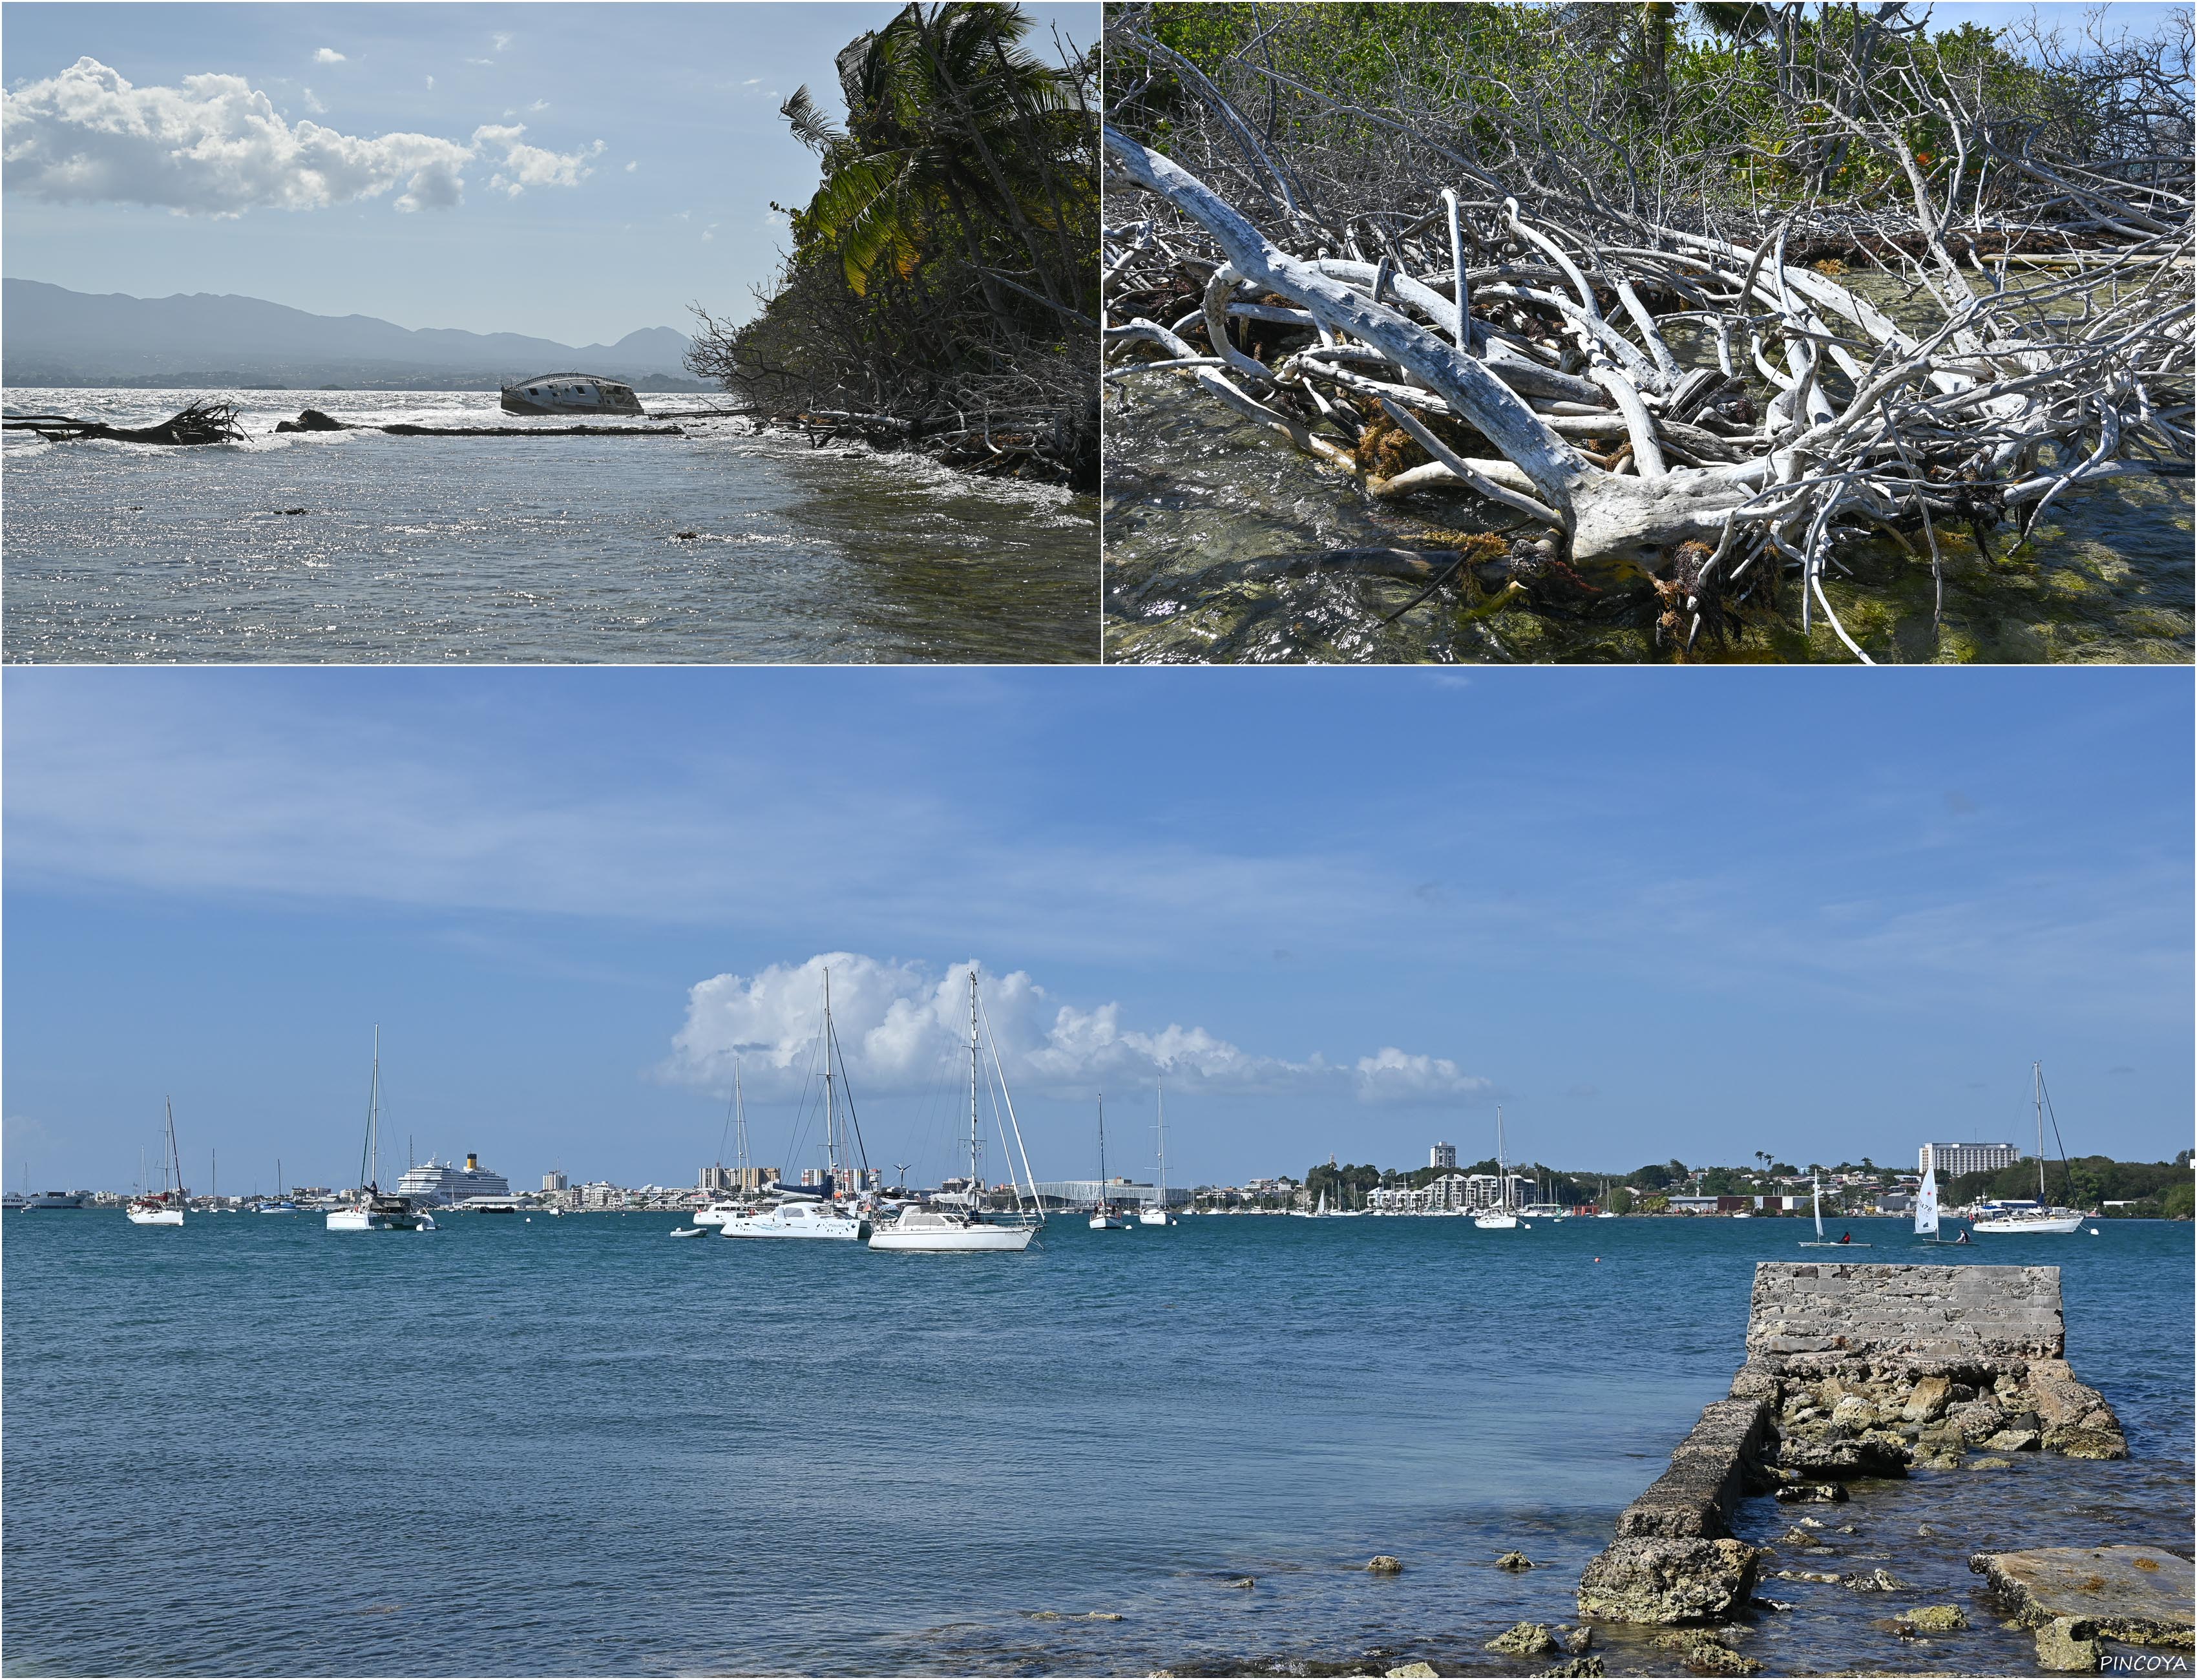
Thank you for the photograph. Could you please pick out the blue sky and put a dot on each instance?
(1652, 913)
(673, 209)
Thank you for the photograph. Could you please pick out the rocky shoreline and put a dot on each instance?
(1862, 1370)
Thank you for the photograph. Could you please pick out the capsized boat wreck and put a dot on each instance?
(569, 394)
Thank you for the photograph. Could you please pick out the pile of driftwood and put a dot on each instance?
(203, 422)
(1681, 395)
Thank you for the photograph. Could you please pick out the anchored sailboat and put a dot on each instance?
(721, 1208)
(794, 1215)
(374, 1211)
(951, 1231)
(1499, 1217)
(1158, 1213)
(167, 1206)
(1104, 1218)
(2043, 1219)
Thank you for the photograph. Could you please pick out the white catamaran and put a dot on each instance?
(818, 1217)
(373, 1211)
(1158, 1213)
(951, 1231)
(2042, 1219)
(167, 1206)
(1499, 1218)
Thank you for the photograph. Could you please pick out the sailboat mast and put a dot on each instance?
(976, 1176)
(1502, 1159)
(739, 1121)
(369, 1165)
(2036, 1075)
(1101, 1153)
(1161, 1128)
(831, 1094)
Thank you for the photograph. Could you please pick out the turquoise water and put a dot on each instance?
(575, 1445)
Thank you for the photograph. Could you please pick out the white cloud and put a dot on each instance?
(632, 166)
(502, 39)
(216, 145)
(904, 1028)
(327, 56)
(313, 103)
(539, 105)
(431, 82)
(525, 166)
(776, 218)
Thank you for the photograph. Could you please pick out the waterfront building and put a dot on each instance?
(1120, 1192)
(434, 1181)
(1443, 1156)
(1950, 1160)
(554, 1182)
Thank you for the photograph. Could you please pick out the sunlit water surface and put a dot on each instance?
(252, 1446)
(721, 546)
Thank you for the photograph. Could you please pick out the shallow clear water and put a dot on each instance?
(1194, 495)
(516, 549)
(575, 1446)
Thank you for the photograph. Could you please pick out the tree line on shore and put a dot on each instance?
(2150, 1190)
(941, 291)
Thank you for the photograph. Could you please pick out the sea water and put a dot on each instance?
(356, 547)
(577, 1445)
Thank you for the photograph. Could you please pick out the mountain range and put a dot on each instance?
(52, 336)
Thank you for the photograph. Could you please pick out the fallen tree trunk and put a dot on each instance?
(1821, 421)
(200, 423)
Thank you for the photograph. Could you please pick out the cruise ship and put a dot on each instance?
(438, 1181)
(51, 1198)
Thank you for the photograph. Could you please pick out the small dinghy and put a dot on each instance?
(694, 1231)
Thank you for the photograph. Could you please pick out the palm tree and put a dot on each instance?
(948, 121)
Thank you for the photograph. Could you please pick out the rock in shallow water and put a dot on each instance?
(1935, 1618)
(1385, 1565)
(1659, 1581)
(1514, 1561)
(1527, 1639)
(2068, 1645)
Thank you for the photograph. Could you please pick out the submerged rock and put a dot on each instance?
(1527, 1639)
(1578, 1641)
(1514, 1561)
(1411, 1670)
(1385, 1565)
(1581, 1666)
(1935, 1618)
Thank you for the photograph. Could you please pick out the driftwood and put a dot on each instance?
(1426, 294)
(205, 422)
(1561, 337)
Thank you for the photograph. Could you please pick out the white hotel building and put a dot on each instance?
(1952, 1160)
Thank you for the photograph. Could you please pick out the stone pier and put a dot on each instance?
(1852, 1369)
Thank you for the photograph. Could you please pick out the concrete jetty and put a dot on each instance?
(1852, 1369)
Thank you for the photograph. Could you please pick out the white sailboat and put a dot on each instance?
(2043, 1219)
(1158, 1213)
(1816, 1191)
(806, 1218)
(167, 1206)
(720, 1209)
(373, 1211)
(1104, 1218)
(1499, 1218)
(1926, 1211)
(951, 1231)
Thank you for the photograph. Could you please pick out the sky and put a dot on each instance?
(1652, 914)
(572, 171)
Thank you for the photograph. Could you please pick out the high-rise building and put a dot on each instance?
(1444, 1156)
(1952, 1160)
(554, 1181)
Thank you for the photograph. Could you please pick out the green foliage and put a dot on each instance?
(947, 262)
(2086, 1181)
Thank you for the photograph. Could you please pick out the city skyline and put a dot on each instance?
(1339, 925)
